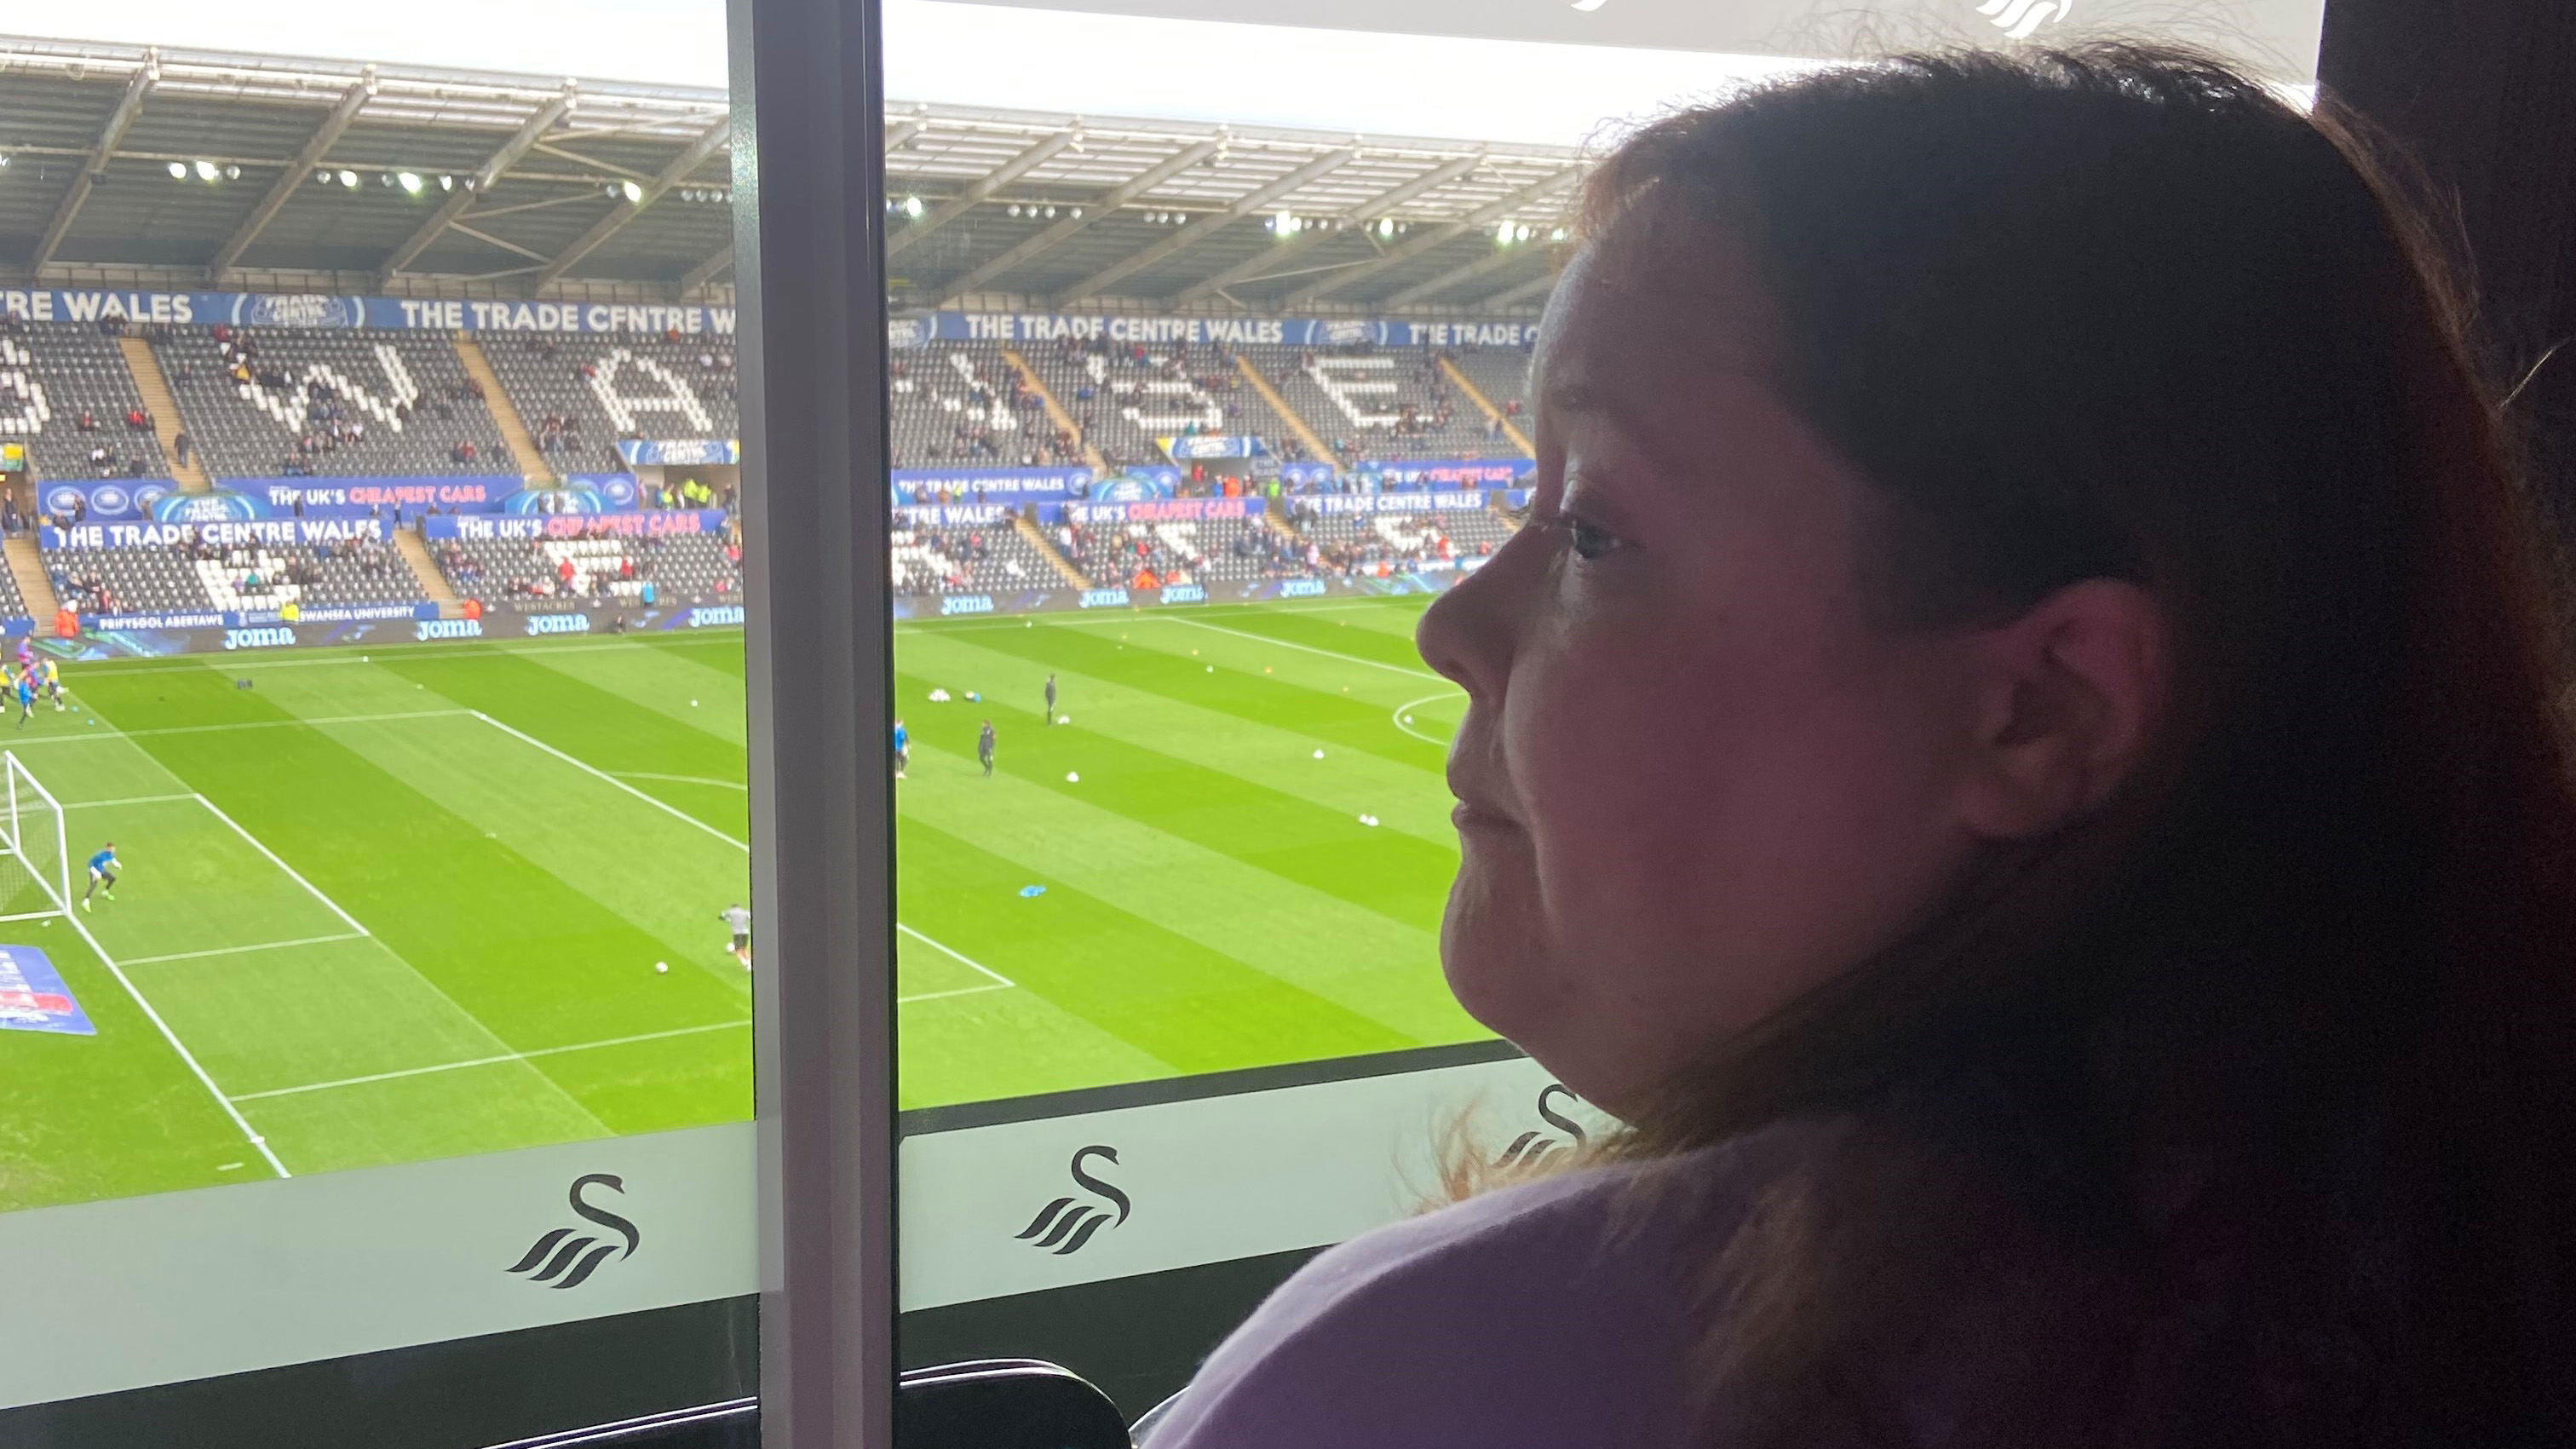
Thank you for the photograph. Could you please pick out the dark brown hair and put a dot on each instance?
(2248, 1099)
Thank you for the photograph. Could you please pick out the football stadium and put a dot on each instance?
(372, 449)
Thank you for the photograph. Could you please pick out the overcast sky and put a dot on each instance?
(980, 55)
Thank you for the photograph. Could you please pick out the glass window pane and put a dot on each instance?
(374, 888)
(1208, 372)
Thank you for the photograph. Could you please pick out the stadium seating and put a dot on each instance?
(1210, 551)
(580, 393)
(1126, 397)
(1502, 375)
(1362, 542)
(961, 405)
(52, 374)
(13, 605)
(683, 569)
(186, 578)
(330, 403)
(988, 560)
(1370, 402)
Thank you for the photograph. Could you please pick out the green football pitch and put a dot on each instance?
(400, 905)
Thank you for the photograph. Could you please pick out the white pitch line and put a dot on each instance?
(955, 954)
(1303, 648)
(176, 1045)
(959, 991)
(505, 1057)
(111, 732)
(128, 800)
(679, 779)
(245, 950)
(1398, 715)
(678, 814)
(292, 873)
(589, 769)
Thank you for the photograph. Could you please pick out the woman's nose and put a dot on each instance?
(1466, 633)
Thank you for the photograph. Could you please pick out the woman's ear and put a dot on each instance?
(2069, 697)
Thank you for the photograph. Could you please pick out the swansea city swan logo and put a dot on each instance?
(1528, 1149)
(563, 1261)
(1066, 1224)
(2020, 19)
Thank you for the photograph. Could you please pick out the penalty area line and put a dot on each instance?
(244, 950)
(493, 1061)
(190, 1058)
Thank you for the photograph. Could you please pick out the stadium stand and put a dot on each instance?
(1363, 542)
(677, 568)
(961, 405)
(195, 575)
(1210, 551)
(1126, 396)
(969, 561)
(1371, 402)
(13, 604)
(271, 402)
(1502, 375)
(580, 393)
(66, 393)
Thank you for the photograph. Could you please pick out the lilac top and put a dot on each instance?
(1552, 1315)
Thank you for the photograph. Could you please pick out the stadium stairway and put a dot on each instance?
(533, 466)
(1055, 410)
(1045, 546)
(166, 422)
(1316, 448)
(1485, 405)
(433, 584)
(1282, 520)
(27, 566)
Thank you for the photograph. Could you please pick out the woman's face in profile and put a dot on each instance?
(1698, 774)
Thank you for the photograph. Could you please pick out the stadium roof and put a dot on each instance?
(168, 168)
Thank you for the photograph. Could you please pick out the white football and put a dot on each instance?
(1319, 754)
(1072, 777)
(661, 966)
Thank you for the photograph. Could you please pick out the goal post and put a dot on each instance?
(35, 852)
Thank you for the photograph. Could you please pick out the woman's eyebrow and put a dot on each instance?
(1651, 438)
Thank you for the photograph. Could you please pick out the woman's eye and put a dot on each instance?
(1588, 540)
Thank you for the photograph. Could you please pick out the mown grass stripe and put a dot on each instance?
(1325, 850)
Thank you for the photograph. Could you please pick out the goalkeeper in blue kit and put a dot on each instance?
(102, 872)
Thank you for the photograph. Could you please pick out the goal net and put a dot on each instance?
(35, 859)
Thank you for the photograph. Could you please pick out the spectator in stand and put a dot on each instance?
(2101, 974)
